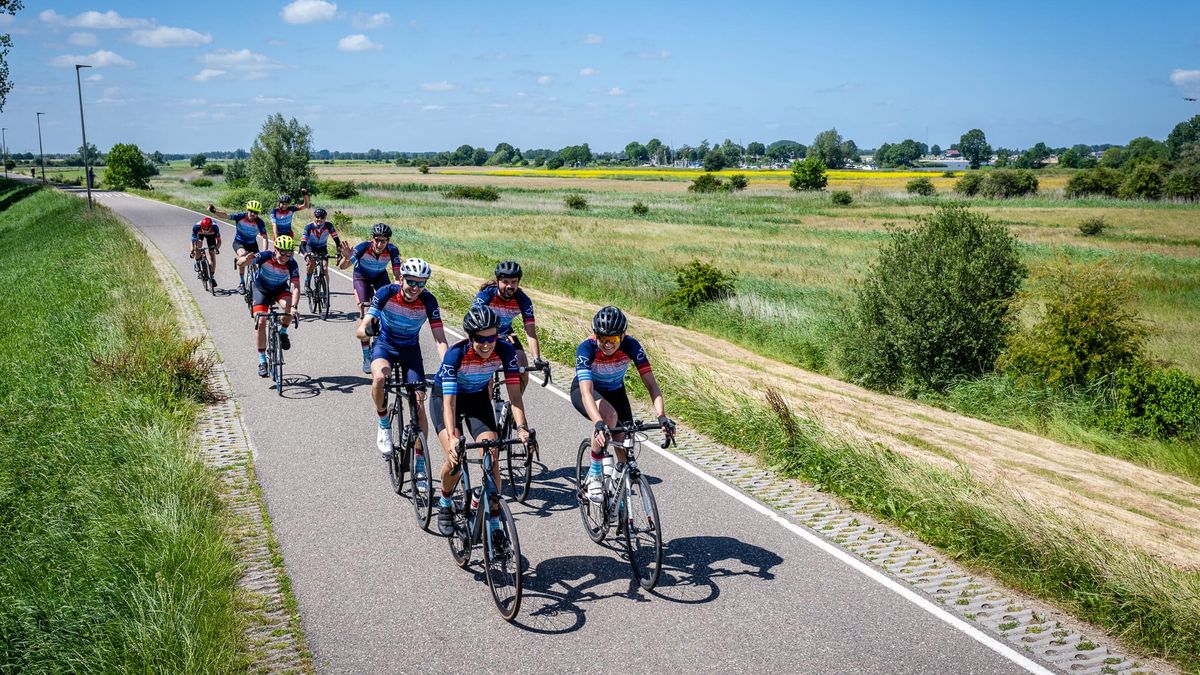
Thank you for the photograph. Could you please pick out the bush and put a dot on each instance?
(1086, 327)
(1090, 227)
(576, 202)
(1155, 403)
(202, 182)
(842, 198)
(237, 176)
(697, 283)
(640, 208)
(934, 306)
(921, 186)
(1100, 181)
(336, 189)
(127, 167)
(738, 182)
(1145, 181)
(341, 221)
(423, 167)
(715, 161)
(482, 193)
(969, 184)
(1005, 183)
(1183, 183)
(236, 198)
(808, 174)
(706, 182)
(554, 163)
(213, 170)
(948, 174)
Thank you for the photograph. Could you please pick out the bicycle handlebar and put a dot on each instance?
(541, 365)
(638, 425)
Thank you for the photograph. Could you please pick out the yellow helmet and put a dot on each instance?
(285, 243)
(253, 205)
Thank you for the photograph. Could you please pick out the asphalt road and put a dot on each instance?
(739, 592)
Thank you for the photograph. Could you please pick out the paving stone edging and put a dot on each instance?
(274, 638)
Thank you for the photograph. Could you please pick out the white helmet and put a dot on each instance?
(415, 267)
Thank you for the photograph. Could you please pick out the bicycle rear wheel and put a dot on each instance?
(643, 532)
(595, 522)
(460, 541)
(515, 457)
(396, 462)
(502, 563)
(420, 486)
(323, 296)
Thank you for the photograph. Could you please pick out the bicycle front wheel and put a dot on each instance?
(595, 522)
(313, 303)
(420, 485)
(461, 540)
(323, 297)
(396, 462)
(643, 532)
(502, 563)
(276, 361)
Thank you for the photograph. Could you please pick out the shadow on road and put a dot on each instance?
(300, 386)
(690, 565)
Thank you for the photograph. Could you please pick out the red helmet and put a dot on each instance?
(206, 221)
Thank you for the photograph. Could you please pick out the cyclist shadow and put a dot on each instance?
(556, 589)
(551, 491)
(301, 386)
(692, 564)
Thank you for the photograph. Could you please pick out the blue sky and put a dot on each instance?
(192, 76)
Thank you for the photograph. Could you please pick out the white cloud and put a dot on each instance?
(109, 20)
(7, 19)
(243, 62)
(592, 39)
(1188, 81)
(82, 39)
(229, 105)
(545, 80)
(357, 43)
(196, 101)
(112, 95)
(438, 86)
(208, 74)
(94, 78)
(497, 105)
(308, 11)
(364, 21)
(98, 59)
(660, 55)
(431, 106)
(273, 99)
(588, 72)
(615, 91)
(167, 36)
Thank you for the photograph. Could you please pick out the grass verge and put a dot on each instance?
(115, 556)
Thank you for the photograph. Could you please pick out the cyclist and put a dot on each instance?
(278, 274)
(399, 310)
(248, 226)
(370, 260)
(208, 230)
(281, 215)
(461, 387)
(316, 243)
(505, 297)
(598, 389)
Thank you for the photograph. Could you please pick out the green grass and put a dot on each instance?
(114, 557)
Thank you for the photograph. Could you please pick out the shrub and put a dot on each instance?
(640, 208)
(236, 175)
(1093, 226)
(576, 202)
(738, 182)
(1145, 181)
(969, 184)
(554, 163)
(483, 193)
(1086, 327)
(213, 170)
(715, 160)
(1154, 402)
(236, 198)
(127, 167)
(842, 198)
(1005, 183)
(705, 182)
(336, 189)
(921, 186)
(934, 306)
(202, 182)
(948, 174)
(1183, 183)
(697, 283)
(808, 174)
(423, 167)
(341, 221)
(1100, 181)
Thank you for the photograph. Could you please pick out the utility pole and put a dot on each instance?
(87, 174)
(41, 155)
(4, 144)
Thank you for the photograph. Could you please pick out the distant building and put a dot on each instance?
(953, 153)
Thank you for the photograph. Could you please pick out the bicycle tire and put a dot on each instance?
(503, 572)
(595, 521)
(311, 296)
(278, 351)
(461, 540)
(323, 296)
(248, 280)
(422, 502)
(516, 457)
(396, 462)
(212, 280)
(643, 533)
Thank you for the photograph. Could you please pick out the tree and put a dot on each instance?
(636, 152)
(850, 151)
(827, 147)
(127, 168)
(905, 153)
(653, 147)
(733, 152)
(714, 160)
(935, 149)
(1183, 134)
(197, 161)
(1033, 158)
(279, 157)
(1112, 158)
(503, 154)
(974, 147)
(237, 175)
(756, 150)
(1144, 149)
(479, 156)
(808, 174)
(1145, 181)
(1077, 157)
(783, 150)
(7, 7)
(158, 158)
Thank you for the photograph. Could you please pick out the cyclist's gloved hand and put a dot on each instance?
(372, 328)
(666, 423)
(602, 427)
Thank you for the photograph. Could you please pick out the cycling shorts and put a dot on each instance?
(263, 300)
(209, 240)
(320, 251)
(617, 398)
(516, 342)
(248, 246)
(365, 288)
(475, 408)
(407, 358)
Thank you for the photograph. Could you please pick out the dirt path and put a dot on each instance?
(1156, 512)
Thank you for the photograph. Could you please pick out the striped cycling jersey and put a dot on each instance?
(400, 321)
(507, 310)
(282, 219)
(318, 235)
(273, 275)
(199, 230)
(465, 372)
(368, 265)
(607, 373)
(248, 229)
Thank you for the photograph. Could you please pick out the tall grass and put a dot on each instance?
(113, 555)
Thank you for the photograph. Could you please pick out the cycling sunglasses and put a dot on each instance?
(484, 339)
(414, 284)
(609, 339)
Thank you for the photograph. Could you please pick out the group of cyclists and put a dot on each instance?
(394, 310)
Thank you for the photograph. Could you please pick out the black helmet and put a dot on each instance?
(480, 319)
(285, 199)
(609, 321)
(381, 230)
(509, 269)
(319, 213)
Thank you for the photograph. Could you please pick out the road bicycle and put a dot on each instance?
(518, 458)
(318, 292)
(628, 501)
(275, 348)
(248, 278)
(203, 270)
(407, 438)
(501, 547)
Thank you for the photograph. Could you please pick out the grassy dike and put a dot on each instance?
(114, 557)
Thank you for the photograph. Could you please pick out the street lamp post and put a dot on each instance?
(41, 155)
(87, 174)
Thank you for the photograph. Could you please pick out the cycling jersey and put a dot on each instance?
(507, 310)
(400, 321)
(371, 266)
(246, 229)
(282, 219)
(465, 372)
(211, 232)
(318, 235)
(273, 275)
(607, 373)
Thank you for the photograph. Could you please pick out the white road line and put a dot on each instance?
(870, 572)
